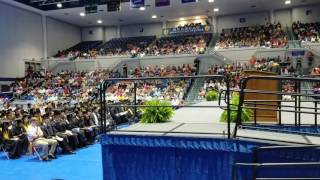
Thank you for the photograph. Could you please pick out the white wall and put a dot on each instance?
(299, 14)
(61, 35)
(92, 34)
(148, 30)
(21, 37)
(232, 21)
(110, 32)
(284, 17)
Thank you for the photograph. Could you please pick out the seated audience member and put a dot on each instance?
(35, 136)
(12, 144)
(49, 132)
(316, 91)
(315, 71)
(61, 128)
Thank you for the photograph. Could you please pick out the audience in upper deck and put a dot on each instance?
(175, 45)
(269, 35)
(128, 46)
(86, 49)
(306, 32)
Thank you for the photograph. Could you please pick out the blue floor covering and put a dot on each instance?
(85, 164)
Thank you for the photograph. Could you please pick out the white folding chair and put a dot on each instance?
(33, 150)
(4, 151)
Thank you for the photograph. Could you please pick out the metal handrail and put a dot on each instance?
(276, 165)
(297, 95)
(104, 104)
(287, 178)
(279, 164)
(286, 147)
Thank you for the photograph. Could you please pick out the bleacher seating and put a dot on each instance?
(141, 46)
(269, 35)
(126, 46)
(306, 32)
(185, 44)
(83, 49)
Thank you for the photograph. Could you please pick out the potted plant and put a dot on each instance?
(212, 96)
(156, 114)
(246, 113)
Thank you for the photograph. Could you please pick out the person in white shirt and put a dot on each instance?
(35, 136)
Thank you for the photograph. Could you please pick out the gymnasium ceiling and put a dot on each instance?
(72, 8)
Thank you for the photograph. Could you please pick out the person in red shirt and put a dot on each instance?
(253, 61)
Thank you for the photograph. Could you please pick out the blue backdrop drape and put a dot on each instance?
(173, 158)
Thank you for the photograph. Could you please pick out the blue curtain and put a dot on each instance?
(174, 158)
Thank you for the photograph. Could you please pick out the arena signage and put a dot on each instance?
(137, 3)
(160, 3)
(187, 29)
(187, 1)
(298, 53)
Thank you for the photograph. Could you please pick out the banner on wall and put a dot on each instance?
(136, 3)
(160, 3)
(188, 1)
(187, 29)
(298, 53)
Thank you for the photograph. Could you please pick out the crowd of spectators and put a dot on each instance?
(275, 65)
(269, 36)
(129, 46)
(175, 45)
(86, 49)
(63, 113)
(306, 32)
(174, 90)
(140, 46)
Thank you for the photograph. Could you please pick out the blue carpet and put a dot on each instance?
(85, 164)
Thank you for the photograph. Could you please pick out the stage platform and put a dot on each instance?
(194, 145)
(205, 122)
(214, 130)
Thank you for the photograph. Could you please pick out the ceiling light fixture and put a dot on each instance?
(82, 14)
(198, 17)
(142, 8)
(287, 2)
(59, 5)
(216, 10)
(210, 1)
(99, 21)
(154, 16)
(182, 19)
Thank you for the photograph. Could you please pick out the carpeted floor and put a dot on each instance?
(85, 164)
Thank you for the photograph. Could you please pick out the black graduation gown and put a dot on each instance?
(73, 123)
(21, 133)
(12, 145)
(60, 130)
